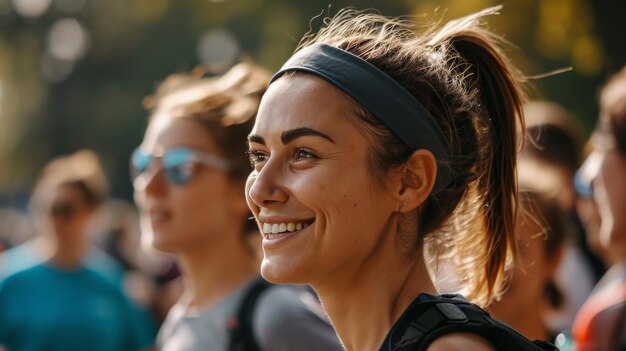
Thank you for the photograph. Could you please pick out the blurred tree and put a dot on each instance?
(611, 29)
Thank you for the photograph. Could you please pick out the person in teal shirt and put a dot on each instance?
(51, 308)
(61, 302)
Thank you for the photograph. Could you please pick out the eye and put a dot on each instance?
(257, 157)
(181, 173)
(304, 154)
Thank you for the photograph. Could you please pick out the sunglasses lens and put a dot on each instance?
(140, 161)
(178, 165)
(583, 188)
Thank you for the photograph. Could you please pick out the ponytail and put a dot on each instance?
(500, 109)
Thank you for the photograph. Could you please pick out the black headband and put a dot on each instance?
(380, 94)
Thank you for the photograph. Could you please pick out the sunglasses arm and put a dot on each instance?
(214, 162)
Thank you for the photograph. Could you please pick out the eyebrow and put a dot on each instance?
(253, 138)
(290, 135)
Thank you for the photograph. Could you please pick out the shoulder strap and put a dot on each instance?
(241, 336)
(432, 319)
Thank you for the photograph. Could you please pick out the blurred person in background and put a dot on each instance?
(553, 150)
(532, 290)
(601, 322)
(83, 167)
(189, 175)
(60, 302)
(587, 211)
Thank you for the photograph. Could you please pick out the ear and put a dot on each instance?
(417, 180)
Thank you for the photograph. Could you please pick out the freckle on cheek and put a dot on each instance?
(354, 204)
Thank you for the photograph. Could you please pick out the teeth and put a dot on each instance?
(276, 229)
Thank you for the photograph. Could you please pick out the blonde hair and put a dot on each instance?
(459, 74)
(225, 106)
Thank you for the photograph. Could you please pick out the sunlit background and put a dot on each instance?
(73, 73)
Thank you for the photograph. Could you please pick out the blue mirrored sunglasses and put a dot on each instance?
(179, 164)
(583, 188)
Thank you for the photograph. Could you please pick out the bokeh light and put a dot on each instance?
(218, 49)
(67, 40)
(31, 8)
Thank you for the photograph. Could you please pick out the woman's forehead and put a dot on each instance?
(301, 99)
(164, 132)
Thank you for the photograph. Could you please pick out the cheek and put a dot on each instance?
(201, 203)
(613, 171)
(249, 182)
(337, 195)
(610, 194)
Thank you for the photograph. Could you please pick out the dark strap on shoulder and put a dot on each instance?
(430, 320)
(241, 335)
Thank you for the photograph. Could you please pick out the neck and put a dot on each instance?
(390, 278)
(68, 254)
(212, 272)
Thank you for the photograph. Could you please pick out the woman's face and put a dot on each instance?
(320, 210)
(198, 214)
(606, 168)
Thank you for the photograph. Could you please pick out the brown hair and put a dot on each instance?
(81, 169)
(224, 106)
(458, 73)
(613, 109)
(553, 135)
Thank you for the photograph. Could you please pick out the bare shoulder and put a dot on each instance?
(460, 342)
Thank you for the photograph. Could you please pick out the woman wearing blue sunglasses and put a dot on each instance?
(189, 174)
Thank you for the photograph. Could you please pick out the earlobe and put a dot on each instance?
(417, 179)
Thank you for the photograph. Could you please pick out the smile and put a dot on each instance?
(275, 230)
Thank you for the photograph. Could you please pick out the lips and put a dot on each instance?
(277, 229)
(159, 215)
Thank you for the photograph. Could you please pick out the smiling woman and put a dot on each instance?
(375, 145)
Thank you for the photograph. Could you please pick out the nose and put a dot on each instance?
(264, 187)
(590, 168)
(152, 181)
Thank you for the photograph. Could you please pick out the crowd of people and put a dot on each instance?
(386, 189)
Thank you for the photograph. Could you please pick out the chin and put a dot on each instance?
(162, 244)
(283, 271)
